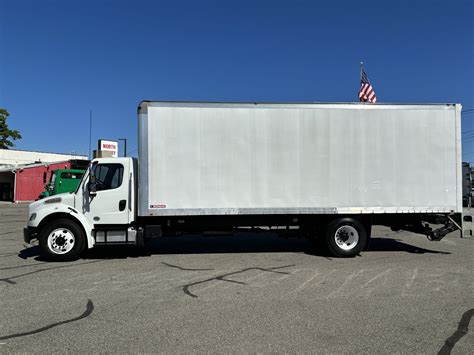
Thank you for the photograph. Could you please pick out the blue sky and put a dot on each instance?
(59, 59)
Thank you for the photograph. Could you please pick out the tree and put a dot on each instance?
(6, 135)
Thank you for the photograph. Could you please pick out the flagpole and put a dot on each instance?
(360, 73)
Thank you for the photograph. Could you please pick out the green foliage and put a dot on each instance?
(6, 135)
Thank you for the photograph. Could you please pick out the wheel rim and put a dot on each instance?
(61, 241)
(346, 237)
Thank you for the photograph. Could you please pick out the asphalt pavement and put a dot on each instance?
(247, 293)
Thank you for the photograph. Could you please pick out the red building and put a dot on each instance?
(25, 183)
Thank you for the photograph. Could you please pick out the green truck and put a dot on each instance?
(61, 181)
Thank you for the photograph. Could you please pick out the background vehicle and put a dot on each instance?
(327, 171)
(61, 181)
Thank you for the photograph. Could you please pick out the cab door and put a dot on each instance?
(110, 202)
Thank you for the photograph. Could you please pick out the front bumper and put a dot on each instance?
(29, 234)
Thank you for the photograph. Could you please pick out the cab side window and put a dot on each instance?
(108, 176)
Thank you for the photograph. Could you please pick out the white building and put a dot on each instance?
(12, 158)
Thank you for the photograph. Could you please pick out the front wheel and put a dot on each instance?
(345, 237)
(62, 240)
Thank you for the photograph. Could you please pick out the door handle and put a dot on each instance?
(122, 205)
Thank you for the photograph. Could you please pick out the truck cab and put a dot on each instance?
(100, 211)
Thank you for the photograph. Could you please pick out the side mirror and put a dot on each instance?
(92, 186)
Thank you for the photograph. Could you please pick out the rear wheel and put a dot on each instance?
(62, 240)
(345, 237)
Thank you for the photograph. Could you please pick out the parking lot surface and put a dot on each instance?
(238, 294)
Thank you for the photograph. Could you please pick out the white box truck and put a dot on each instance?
(327, 171)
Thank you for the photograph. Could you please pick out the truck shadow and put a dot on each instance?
(244, 243)
(33, 251)
(391, 244)
(240, 243)
(216, 244)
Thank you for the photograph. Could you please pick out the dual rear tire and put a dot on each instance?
(345, 237)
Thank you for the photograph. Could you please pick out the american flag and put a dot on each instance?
(366, 92)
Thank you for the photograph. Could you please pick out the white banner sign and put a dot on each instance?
(109, 146)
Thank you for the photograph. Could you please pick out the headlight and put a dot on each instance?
(53, 200)
(32, 217)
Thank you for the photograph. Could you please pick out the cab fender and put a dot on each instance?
(57, 211)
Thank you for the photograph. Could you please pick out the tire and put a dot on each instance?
(346, 237)
(62, 240)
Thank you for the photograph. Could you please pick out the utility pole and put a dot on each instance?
(124, 146)
(90, 134)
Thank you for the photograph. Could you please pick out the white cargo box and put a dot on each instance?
(244, 158)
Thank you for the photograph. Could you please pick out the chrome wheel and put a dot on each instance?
(61, 241)
(346, 237)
